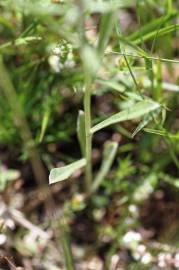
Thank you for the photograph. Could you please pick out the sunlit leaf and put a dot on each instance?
(139, 109)
(63, 173)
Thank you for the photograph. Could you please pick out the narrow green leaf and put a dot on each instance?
(163, 31)
(119, 87)
(44, 125)
(63, 173)
(112, 84)
(163, 133)
(139, 109)
(106, 27)
(142, 54)
(150, 73)
(169, 6)
(158, 88)
(156, 132)
(81, 131)
(110, 150)
(107, 6)
(20, 41)
(150, 27)
(29, 30)
(90, 59)
(147, 119)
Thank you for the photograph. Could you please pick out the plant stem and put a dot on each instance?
(66, 244)
(88, 135)
(21, 123)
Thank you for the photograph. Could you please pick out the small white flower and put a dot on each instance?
(70, 56)
(56, 51)
(69, 64)
(139, 252)
(146, 258)
(132, 208)
(3, 239)
(141, 249)
(54, 63)
(162, 260)
(131, 237)
(177, 260)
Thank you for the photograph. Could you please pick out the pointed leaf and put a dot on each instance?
(147, 118)
(139, 109)
(44, 125)
(163, 31)
(151, 26)
(60, 174)
(110, 150)
(106, 27)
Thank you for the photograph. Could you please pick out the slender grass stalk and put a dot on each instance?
(37, 166)
(88, 135)
(8, 89)
(87, 102)
(106, 27)
(66, 245)
(174, 61)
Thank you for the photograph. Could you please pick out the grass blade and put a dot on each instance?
(44, 125)
(106, 27)
(147, 119)
(150, 27)
(163, 31)
(139, 109)
(20, 41)
(63, 173)
(110, 150)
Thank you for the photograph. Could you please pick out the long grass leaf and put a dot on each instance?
(110, 150)
(139, 109)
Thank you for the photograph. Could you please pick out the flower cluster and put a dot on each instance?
(61, 56)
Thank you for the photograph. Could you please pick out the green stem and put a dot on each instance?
(66, 244)
(21, 123)
(88, 135)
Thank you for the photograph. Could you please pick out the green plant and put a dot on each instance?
(92, 59)
(68, 60)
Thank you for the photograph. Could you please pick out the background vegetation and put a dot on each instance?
(125, 55)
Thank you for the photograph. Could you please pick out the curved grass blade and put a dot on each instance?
(110, 150)
(139, 109)
(63, 173)
(106, 27)
(44, 125)
(151, 26)
(147, 119)
(163, 31)
(20, 41)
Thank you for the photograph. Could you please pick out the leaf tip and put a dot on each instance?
(52, 176)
